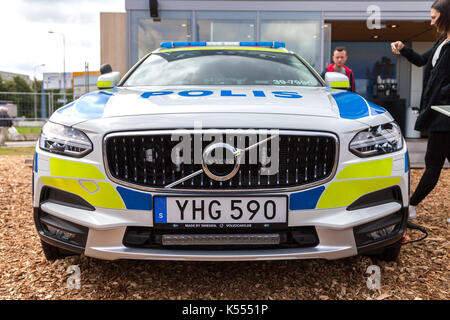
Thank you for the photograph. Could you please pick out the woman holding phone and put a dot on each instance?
(435, 91)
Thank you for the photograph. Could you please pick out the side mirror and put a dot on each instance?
(108, 80)
(105, 68)
(337, 80)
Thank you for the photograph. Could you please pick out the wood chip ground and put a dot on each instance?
(422, 271)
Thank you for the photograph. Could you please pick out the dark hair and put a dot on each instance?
(443, 23)
(340, 49)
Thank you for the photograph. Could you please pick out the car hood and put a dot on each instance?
(119, 102)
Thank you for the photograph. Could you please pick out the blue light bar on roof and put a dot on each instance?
(273, 44)
(182, 44)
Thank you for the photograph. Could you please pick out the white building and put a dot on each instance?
(8, 76)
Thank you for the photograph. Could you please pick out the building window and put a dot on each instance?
(147, 33)
(301, 31)
(226, 26)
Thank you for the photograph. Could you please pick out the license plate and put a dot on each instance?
(220, 212)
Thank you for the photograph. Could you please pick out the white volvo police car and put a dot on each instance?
(221, 151)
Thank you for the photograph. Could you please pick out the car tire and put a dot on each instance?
(389, 253)
(54, 253)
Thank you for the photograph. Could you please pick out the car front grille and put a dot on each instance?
(144, 160)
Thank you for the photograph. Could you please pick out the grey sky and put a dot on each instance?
(24, 26)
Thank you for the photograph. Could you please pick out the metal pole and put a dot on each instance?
(51, 102)
(35, 90)
(43, 104)
(322, 44)
(86, 77)
(35, 106)
(64, 62)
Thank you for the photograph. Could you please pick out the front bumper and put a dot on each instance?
(335, 230)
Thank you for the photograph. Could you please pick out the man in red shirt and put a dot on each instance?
(340, 58)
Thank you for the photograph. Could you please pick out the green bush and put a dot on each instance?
(29, 130)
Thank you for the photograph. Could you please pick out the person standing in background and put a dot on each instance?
(340, 58)
(5, 123)
(435, 91)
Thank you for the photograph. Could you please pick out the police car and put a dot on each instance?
(221, 151)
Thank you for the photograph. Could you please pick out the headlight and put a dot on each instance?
(64, 140)
(382, 139)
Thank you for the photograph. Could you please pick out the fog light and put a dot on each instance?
(59, 233)
(381, 233)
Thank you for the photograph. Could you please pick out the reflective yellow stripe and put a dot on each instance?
(104, 84)
(369, 169)
(343, 193)
(72, 169)
(105, 197)
(340, 84)
(221, 48)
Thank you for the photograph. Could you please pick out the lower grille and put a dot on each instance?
(144, 237)
(219, 239)
(145, 160)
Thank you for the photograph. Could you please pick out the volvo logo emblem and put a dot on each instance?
(221, 161)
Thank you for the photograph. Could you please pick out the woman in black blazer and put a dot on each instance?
(436, 91)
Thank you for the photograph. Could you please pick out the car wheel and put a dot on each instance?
(54, 253)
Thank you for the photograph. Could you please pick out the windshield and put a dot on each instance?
(222, 67)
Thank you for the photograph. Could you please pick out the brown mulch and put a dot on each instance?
(422, 271)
